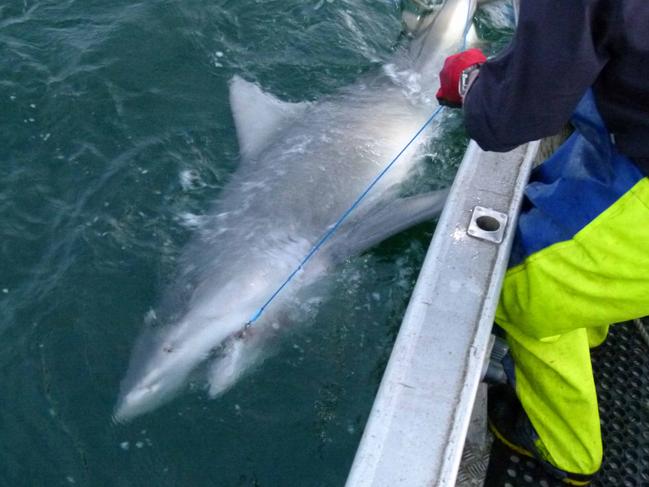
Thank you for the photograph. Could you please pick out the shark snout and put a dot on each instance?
(162, 363)
(144, 393)
(138, 401)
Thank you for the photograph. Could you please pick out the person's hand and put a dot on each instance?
(450, 75)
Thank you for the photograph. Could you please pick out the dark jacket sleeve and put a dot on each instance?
(530, 89)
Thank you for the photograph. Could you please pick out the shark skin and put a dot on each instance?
(302, 165)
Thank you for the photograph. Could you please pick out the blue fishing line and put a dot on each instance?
(327, 235)
(344, 216)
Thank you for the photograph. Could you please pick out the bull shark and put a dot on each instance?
(302, 165)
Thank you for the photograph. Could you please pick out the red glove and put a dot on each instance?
(449, 77)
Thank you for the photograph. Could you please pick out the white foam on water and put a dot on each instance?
(191, 221)
(190, 179)
(500, 14)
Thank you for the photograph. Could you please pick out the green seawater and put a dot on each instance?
(115, 129)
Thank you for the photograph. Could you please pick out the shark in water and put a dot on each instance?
(302, 165)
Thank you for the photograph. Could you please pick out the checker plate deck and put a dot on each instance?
(621, 368)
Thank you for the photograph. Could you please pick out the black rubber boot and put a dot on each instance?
(511, 427)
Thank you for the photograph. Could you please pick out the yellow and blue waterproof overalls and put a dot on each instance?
(580, 262)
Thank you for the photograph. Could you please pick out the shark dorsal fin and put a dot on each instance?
(257, 115)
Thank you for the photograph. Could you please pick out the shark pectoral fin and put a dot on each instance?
(389, 220)
(226, 370)
(239, 355)
(257, 115)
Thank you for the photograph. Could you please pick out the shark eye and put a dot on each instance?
(168, 348)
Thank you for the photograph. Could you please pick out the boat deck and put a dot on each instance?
(430, 410)
(621, 368)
